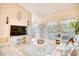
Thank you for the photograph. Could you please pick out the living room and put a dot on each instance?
(31, 29)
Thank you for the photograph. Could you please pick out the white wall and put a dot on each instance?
(12, 10)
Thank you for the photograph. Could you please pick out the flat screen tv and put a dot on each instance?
(18, 30)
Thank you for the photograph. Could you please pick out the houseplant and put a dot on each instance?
(75, 25)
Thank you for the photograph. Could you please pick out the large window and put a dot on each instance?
(67, 31)
(33, 31)
(52, 27)
(42, 30)
(65, 24)
(64, 27)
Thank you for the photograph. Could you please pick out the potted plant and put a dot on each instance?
(75, 25)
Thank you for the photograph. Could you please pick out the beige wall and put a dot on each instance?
(12, 10)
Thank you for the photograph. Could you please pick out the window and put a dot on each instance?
(67, 31)
(42, 31)
(52, 30)
(33, 30)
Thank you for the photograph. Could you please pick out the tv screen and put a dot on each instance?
(18, 30)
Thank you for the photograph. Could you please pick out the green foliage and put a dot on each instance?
(75, 25)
